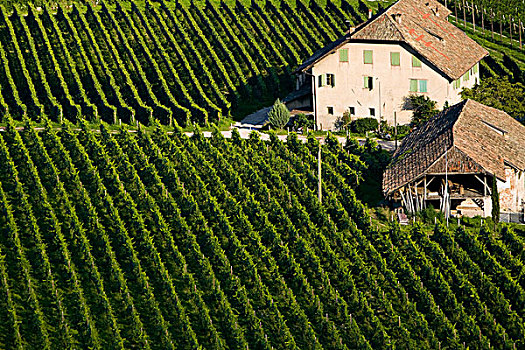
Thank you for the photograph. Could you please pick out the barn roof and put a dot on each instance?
(423, 26)
(485, 139)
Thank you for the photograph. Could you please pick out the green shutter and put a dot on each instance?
(475, 68)
(366, 83)
(320, 80)
(413, 85)
(416, 62)
(423, 86)
(343, 55)
(466, 77)
(368, 56)
(394, 58)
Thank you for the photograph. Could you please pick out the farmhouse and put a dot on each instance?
(410, 48)
(452, 159)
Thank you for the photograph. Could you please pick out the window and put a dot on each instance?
(330, 110)
(368, 83)
(466, 77)
(413, 85)
(422, 86)
(416, 62)
(343, 55)
(372, 112)
(418, 85)
(368, 56)
(394, 58)
(326, 79)
(352, 110)
(330, 79)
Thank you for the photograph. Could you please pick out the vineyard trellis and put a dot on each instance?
(177, 63)
(155, 240)
(169, 241)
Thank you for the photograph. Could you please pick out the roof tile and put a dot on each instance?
(423, 25)
(486, 137)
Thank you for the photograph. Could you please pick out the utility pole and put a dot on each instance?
(319, 183)
(447, 209)
(395, 129)
(379, 88)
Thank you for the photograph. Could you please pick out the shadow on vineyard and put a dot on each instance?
(256, 99)
(174, 62)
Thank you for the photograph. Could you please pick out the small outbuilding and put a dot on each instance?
(452, 160)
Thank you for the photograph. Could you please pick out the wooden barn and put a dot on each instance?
(451, 161)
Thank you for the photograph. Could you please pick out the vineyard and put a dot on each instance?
(157, 240)
(179, 64)
(175, 62)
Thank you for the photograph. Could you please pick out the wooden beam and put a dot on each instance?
(484, 183)
(415, 198)
(403, 199)
(426, 184)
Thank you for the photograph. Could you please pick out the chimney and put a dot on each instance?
(397, 17)
(350, 28)
(369, 13)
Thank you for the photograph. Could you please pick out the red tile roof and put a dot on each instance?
(423, 26)
(481, 138)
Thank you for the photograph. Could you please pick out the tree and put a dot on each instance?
(363, 125)
(424, 108)
(352, 146)
(495, 201)
(279, 115)
(302, 121)
(500, 93)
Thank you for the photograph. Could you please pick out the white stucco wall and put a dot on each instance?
(394, 82)
(512, 191)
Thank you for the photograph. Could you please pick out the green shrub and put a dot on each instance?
(302, 121)
(428, 215)
(362, 125)
(403, 129)
(279, 115)
(424, 108)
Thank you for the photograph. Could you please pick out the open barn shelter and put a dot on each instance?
(452, 160)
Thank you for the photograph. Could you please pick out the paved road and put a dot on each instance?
(245, 134)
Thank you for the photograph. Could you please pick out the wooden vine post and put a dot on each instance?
(483, 20)
(456, 10)
(519, 31)
(501, 27)
(510, 30)
(492, 24)
(464, 15)
(472, 9)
